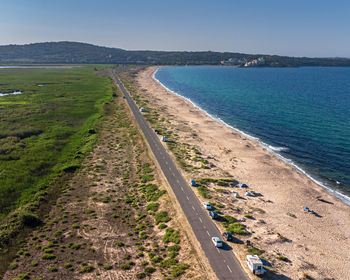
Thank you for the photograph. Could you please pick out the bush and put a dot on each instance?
(140, 275)
(283, 258)
(13, 265)
(149, 270)
(153, 206)
(48, 257)
(119, 244)
(171, 235)
(168, 263)
(248, 216)
(255, 251)
(108, 267)
(204, 192)
(236, 228)
(125, 266)
(52, 269)
(229, 219)
(162, 217)
(179, 269)
(156, 259)
(87, 269)
(162, 226)
(67, 265)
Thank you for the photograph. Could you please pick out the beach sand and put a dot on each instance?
(317, 246)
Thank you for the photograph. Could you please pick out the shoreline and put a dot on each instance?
(273, 150)
(314, 245)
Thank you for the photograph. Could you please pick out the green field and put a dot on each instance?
(45, 131)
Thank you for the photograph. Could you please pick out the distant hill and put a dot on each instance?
(82, 53)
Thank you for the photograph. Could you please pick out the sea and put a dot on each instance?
(302, 115)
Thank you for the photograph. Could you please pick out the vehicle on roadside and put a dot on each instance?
(217, 242)
(207, 205)
(213, 215)
(227, 236)
(255, 264)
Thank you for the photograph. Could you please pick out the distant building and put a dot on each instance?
(255, 62)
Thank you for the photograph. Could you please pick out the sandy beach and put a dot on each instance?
(316, 246)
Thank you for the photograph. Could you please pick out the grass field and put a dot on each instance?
(46, 130)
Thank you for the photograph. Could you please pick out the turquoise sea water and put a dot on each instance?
(300, 114)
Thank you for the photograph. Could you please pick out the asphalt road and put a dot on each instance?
(223, 261)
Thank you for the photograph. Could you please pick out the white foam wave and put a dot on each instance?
(270, 148)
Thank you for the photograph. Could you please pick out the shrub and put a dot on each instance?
(171, 235)
(248, 216)
(179, 269)
(34, 264)
(67, 265)
(106, 199)
(283, 258)
(119, 244)
(236, 228)
(204, 192)
(149, 270)
(13, 265)
(48, 257)
(153, 206)
(220, 205)
(23, 276)
(156, 259)
(168, 263)
(162, 217)
(229, 219)
(87, 269)
(144, 263)
(125, 266)
(255, 251)
(108, 267)
(146, 178)
(174, 248)
(143, 235)
(53, 269)
(162, 226)
(76, 246)
(140, 275)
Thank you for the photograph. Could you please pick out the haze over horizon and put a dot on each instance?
(312, 28)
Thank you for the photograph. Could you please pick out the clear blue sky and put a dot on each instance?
(284, 27)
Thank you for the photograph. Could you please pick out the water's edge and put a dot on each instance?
(273, 150)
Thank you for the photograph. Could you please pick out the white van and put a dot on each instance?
(255, 264)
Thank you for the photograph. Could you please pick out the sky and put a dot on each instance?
(314, 28)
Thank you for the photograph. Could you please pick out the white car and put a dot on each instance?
(217, 242)
(207, 205)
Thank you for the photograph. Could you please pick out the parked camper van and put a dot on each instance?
(255, 264)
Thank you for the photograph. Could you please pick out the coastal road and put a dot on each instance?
(223, 261)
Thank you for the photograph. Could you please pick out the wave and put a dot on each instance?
(272, 149)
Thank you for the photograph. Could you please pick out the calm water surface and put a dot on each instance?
(301, 114)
